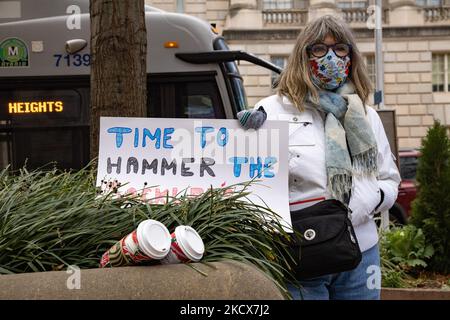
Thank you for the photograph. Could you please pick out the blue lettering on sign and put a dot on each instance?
(237, 162)
(119, 131)
(222, 137)
(167, 136)
(136, 137)
(146, 134)
(268, 165)
(255, 167)
(156, 136)
(203, 131)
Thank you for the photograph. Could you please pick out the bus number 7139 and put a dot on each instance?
(76, 60)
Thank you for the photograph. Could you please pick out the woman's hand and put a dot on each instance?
(366, 196)
(252, 119)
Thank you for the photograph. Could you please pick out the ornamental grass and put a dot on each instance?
(50, 219)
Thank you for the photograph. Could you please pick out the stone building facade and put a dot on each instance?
(416, 47)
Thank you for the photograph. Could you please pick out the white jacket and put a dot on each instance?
(307, 171)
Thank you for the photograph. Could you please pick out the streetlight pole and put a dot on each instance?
(379, 88)
(379, 96)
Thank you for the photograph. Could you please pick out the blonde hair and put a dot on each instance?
(295, 80)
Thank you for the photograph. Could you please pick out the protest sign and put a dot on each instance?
(155, 157)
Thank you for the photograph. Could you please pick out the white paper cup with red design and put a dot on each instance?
(187, 246)
(150, 241)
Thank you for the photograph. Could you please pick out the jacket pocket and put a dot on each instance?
(364, 199)
(301, 130)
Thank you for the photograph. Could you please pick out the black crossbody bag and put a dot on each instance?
(328, 244)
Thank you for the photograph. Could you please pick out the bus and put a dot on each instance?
(45, 78)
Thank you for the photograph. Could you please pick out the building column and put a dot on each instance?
(319, 8)
(405, 13)
(244, 14)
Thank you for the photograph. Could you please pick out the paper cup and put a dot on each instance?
(150, 241)
(187, 245)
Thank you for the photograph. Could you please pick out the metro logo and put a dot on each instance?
(13, 51)
(35, 107)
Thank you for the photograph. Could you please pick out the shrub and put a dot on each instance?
(431, 208)
(392, 275)
(406, 247)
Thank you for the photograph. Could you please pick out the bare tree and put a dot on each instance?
(118, 71)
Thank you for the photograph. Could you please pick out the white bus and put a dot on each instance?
(45, 67)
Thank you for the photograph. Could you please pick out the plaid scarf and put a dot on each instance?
(350, 145)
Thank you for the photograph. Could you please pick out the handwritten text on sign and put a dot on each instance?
(158, 157)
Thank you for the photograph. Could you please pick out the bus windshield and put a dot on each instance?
(234, 78)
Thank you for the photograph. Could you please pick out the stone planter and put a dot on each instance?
(226, 280)
(414, 294)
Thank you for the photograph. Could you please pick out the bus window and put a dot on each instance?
(199, 106)
(234, 79)
(184, 97)
(37, 147)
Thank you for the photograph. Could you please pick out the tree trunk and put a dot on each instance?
(118, 70)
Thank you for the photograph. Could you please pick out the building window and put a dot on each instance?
(301, 4)
(281, 62)
(371, 71)
(277, 4)
(441, 72)
(429, 3)
(180, 6)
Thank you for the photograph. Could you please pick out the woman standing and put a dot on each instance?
(337, 144)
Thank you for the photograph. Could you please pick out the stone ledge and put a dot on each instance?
(228, 280)
(291, 32)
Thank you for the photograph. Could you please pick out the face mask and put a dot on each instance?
(330, 71)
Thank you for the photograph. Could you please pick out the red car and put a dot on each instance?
(407, 191)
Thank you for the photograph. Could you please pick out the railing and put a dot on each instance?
(300, 16)
(285, 16)
(433, 14)
(360, 15)
(288, 17)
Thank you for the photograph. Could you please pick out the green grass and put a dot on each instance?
(51, 219)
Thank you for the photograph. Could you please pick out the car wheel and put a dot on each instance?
(396, 217)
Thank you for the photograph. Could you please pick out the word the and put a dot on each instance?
(255, 166)
(35, 107)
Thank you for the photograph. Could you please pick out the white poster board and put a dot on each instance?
(153, 157)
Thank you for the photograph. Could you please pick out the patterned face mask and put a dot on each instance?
(330, 71)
